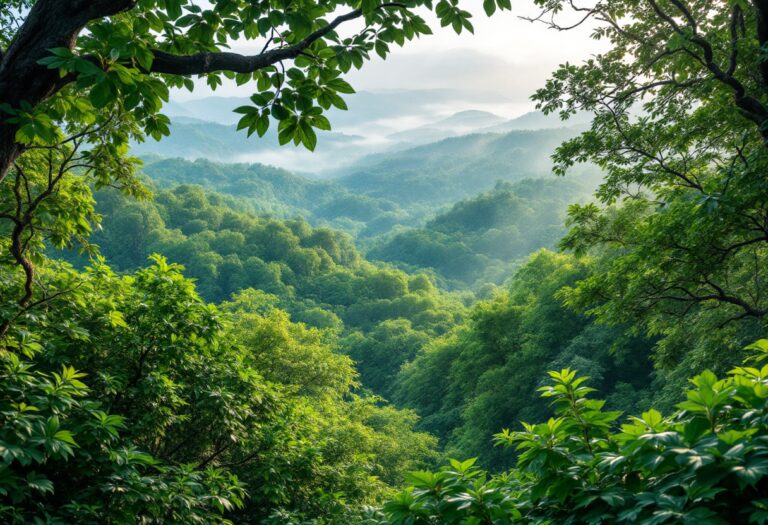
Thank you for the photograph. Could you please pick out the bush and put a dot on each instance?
(63, 460)
(707, 463)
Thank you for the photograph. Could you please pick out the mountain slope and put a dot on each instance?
(536, 120)
(454, 168)
(482, 239)
(463, 122)
(281, 193)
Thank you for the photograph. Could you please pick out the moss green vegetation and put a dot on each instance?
(237, 344)
(483, 239)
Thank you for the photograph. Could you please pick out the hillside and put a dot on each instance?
(455, 168)
(281, 193)
(483, 239)
(267, 189)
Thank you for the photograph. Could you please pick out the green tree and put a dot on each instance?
(381, 352)
(680, 132)
(704, 463)
(62, 60)
(467, 384)
(188, 408)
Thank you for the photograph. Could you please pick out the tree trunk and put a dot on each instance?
(49, 24)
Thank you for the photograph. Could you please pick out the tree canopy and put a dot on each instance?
(252, 389)
(679, 100)
(69, 64)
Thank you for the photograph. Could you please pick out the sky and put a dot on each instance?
(504, 51)
(506, 55)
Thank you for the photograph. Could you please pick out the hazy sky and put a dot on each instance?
(519, 48)
(506, 54)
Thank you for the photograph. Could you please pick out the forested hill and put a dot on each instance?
(268, 190)
(456, 168)
(277, 192)
(483, 239)
(467, 245)
(444, 334)
(316, 275)
(373, 202)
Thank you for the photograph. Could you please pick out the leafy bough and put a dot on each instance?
(707, 463)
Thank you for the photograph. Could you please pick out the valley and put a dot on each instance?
(261, 266)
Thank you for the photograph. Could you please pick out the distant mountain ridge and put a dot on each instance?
(536, 120)
(378, 123)
(192, 139)
(462, 122)
(205, 128)
(364, 106)
(455, 168)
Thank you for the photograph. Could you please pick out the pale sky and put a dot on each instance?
(506, 54)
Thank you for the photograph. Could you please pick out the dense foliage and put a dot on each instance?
(678, 250)
(286, 195)
(489, 368)
(704, 463)
(679, 130)
(315, 274)
(176, 392)
(249, 385)
(482, 239)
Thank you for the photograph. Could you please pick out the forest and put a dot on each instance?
(554, 319)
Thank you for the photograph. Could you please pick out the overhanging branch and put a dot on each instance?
(202, 63)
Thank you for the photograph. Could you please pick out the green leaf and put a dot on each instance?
(102, 93)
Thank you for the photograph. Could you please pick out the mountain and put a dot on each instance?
(192, 138)
(455, 168)
(460, 123)
(536, 120)
(469, 119)
(364, 106)
(205, 128)
(267, 190)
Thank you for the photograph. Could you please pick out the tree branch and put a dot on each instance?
(749, 106)
(202, 63)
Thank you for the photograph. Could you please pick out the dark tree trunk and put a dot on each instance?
(49, 24)
(761, 6)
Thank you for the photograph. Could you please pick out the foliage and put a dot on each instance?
(236, 413)
(481, 240)
(679, 131)
(125, 56)
(315, 274)
(704, 463)
(473, 381)
(227, 250)
(127, 397)
(380, 353)
(282, 194)
(66, 460)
